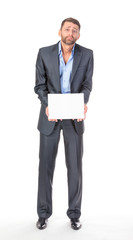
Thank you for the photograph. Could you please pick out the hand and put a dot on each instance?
(85, 111)
(47, 113)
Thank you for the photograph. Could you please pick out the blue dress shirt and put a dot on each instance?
(65, 71)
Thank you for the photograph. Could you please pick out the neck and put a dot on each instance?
(66, 49)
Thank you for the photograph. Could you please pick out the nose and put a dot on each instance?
(70, 32)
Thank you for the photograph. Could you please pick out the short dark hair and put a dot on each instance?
(73, 20)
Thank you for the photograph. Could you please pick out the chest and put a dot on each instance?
(66, 57)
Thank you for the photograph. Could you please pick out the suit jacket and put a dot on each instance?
(48, 80)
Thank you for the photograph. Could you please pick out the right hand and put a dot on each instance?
(47, 113)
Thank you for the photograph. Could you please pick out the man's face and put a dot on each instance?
(69, 33)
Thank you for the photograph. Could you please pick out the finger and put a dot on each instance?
(53, 120)
(80, 120)
(47, 113)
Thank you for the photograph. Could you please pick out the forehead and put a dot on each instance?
(70, 25)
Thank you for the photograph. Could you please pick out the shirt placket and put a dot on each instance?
(65, 77)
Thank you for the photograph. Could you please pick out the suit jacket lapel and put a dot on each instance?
(55, 64)
(76, 60)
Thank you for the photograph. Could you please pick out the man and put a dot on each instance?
(65, 67)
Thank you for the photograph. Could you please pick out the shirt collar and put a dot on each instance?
(60, 50)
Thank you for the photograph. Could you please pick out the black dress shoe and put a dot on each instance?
(75, 223)
(41, 223)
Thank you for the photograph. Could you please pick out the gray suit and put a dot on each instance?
(48, 81)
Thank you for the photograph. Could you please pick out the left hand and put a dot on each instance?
(85, 111)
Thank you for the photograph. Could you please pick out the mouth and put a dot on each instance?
(70, 38)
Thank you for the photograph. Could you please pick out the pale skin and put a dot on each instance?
(69, 35)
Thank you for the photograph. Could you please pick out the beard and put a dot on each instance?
(68, 41)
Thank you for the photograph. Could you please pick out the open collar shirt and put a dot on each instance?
(65, 70)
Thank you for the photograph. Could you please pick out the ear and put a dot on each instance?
(59, 33)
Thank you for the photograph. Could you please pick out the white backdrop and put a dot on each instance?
(106, 27)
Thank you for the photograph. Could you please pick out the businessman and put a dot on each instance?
(65, 67)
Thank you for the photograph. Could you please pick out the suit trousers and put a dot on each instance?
(73, 155)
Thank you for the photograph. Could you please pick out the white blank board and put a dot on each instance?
(66, 106)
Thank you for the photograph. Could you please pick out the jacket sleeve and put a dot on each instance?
(41, 80)
(87, 83)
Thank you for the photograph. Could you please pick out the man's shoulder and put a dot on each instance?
(48, 48)
(84, 49)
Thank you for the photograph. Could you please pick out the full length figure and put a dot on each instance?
(65, 67)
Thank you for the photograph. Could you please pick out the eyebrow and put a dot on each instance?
(70, 27)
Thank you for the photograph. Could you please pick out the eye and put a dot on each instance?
(74, 31)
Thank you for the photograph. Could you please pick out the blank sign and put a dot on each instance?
(66, 106)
